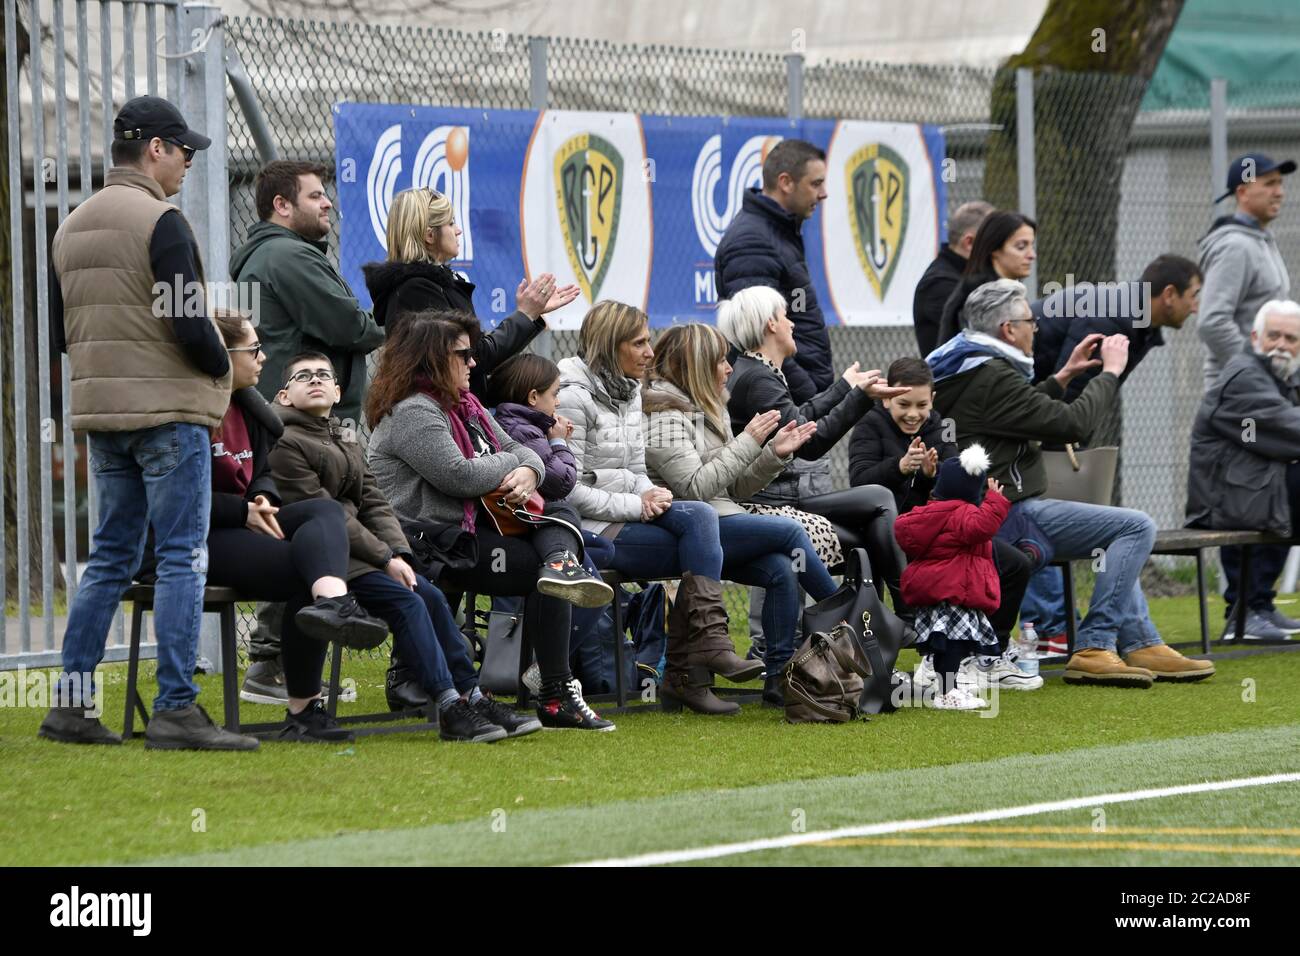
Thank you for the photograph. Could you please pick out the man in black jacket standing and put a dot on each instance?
(1164, 298)
(764, 246)
(943, 274)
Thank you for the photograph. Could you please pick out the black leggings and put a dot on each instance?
(264, 568)
(507, 567)
(1014, 571)
(869, 512)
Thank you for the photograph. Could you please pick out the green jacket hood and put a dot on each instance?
(264, 232)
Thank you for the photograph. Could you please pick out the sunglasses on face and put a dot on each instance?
(254, 349)
(189, 151)
(465, 354)
(306, 375)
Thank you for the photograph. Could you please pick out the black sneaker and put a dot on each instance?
(506, 717)
(460, 721)
(562, 708)
(563, 577)
(314, 726)
(342, 619)
(70, 725)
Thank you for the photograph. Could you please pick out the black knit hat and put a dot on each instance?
(963, 477)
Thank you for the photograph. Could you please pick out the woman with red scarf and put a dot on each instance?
(436, 453)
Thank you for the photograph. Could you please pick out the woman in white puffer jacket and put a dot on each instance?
(654, 536)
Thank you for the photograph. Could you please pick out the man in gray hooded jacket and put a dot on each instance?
(1240, 262)
(1243, 472)
(1242, 270)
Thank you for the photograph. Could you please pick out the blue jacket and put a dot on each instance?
(1117, 311)
(764, 246)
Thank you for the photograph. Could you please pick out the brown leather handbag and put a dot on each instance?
(823, 682)
(512, 521)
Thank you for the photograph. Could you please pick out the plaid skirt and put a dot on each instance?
(941, 623)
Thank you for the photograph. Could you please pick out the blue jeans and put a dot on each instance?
(683, 538)
(423, 627)
(1044, 602)
(161, 478)
(774, 553)
(1118, 619)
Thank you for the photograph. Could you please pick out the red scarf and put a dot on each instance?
(466, 410)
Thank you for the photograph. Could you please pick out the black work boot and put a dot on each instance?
(70, 725)
(190, 728)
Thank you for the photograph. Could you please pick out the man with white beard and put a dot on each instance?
(1244, 473)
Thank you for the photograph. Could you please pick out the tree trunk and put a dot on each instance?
(26, 404)
(1092, 62)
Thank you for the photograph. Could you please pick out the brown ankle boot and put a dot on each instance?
(693, 688)
(702, 618)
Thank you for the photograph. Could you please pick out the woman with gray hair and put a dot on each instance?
(755, 324)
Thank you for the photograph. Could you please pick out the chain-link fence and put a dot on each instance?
(1115, 186)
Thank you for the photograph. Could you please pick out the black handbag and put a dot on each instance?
(437, 547)
(879, 632)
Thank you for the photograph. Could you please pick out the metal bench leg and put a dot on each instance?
(1200, 599)
(1243, 580)
(619, 686)
(336, 668)
(522, 697)
(1067, 581)
(229, 668)
(133, 673)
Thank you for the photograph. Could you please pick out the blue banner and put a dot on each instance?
(632, 207)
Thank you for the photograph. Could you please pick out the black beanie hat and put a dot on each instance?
(963, 477)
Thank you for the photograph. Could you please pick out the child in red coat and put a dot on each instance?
(951, 579)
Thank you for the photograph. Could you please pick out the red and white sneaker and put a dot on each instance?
(1053, 646)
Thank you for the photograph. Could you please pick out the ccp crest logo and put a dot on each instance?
(877, 186)
(441, 164)
(588, 194)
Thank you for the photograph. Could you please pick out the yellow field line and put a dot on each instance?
(967, 844)
(1084, 830)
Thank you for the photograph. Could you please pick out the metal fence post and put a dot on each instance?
(1218, 135)
(205, 197)
(794, 85)
(1025, 156)
(538, 97)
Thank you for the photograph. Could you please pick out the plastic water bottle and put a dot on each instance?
(1027, 649)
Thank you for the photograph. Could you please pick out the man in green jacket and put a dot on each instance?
(302, 300)
(983, 384)
(301, 303)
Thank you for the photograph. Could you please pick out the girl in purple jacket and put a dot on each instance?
(525, 389)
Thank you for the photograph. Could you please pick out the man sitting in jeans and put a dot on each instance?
(983, 382)
(1243, 472)
(149, 382)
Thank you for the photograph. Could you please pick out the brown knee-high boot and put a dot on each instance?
(687, 682)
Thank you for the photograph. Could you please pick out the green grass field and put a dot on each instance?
(671, 782)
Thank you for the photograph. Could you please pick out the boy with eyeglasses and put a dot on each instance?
(318, 458)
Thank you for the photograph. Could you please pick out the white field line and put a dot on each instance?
(897, 826)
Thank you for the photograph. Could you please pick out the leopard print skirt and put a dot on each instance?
(820, 530)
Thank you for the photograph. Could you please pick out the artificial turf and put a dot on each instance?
(403, 797)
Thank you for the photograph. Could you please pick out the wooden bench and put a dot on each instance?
(1189, 542)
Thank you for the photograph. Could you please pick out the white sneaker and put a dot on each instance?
(1002, 672)
(958, 699)
(924, 675)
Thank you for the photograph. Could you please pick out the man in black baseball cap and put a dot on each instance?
(145, 119)
(150, 379)
(1251, 167)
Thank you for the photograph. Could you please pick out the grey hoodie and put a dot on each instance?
(1243, 269)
